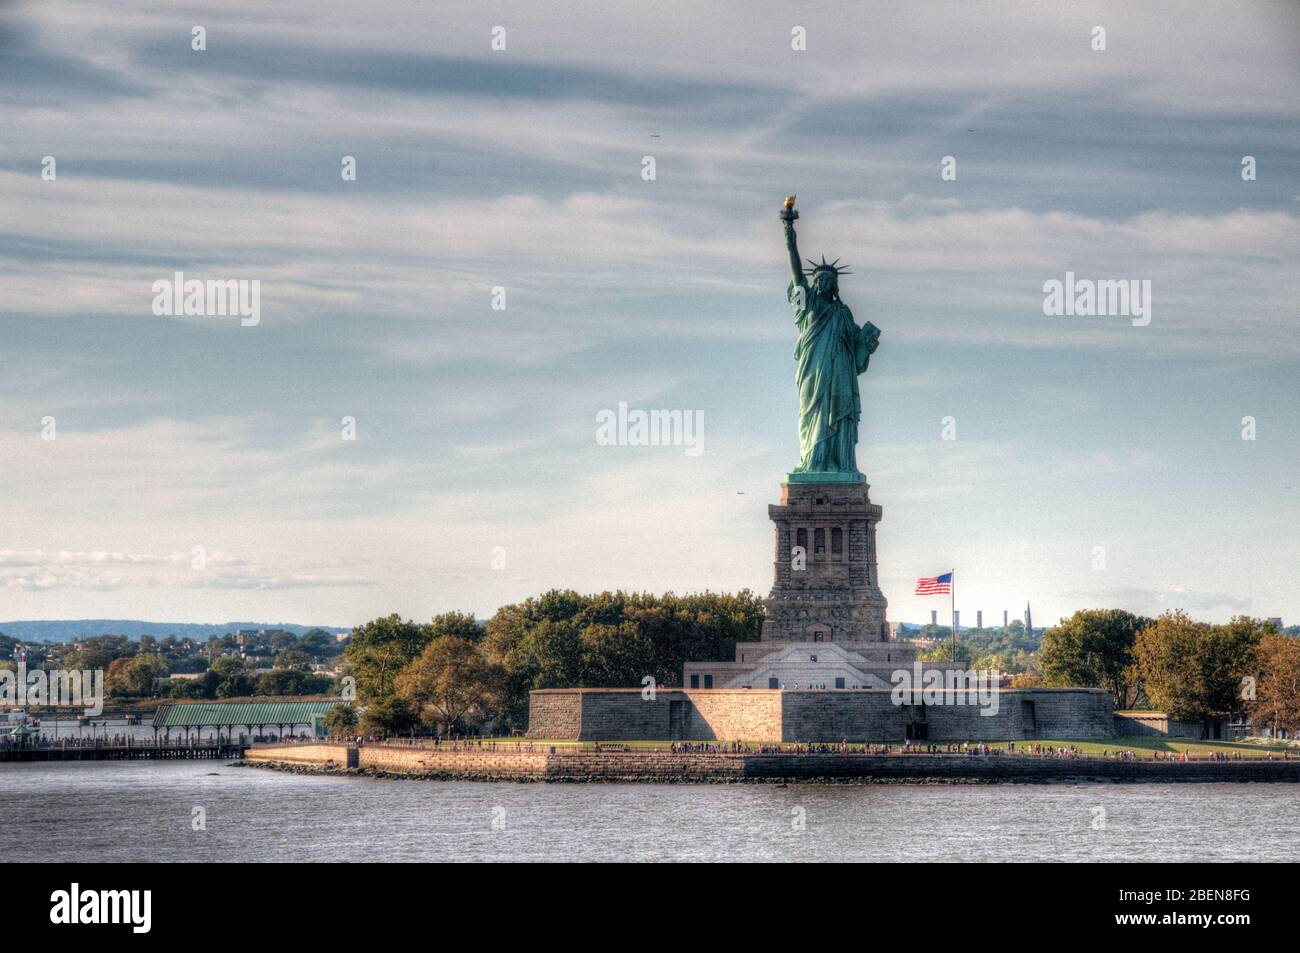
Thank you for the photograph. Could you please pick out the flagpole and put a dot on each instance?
(952, 591)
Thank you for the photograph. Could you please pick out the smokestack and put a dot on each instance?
(1004, 618)
(979, 618)
(934, 616)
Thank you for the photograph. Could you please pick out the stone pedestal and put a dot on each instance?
(832, 592)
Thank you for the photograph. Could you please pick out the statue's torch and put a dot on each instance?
(788, 213)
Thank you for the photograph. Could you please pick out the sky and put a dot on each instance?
(198, 468)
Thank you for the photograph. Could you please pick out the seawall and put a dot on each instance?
(568, 765)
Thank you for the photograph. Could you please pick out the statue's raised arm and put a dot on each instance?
(788, 215)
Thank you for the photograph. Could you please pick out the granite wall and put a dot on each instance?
(605, 714)
(547, 763)
(1136, 723)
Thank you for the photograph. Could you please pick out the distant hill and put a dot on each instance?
(72, 630)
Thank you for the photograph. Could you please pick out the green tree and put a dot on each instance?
(380, 649)
(115, 678)
(562, 638)
(616, 656)
(945, 651)
(135, 677)
(389, 716)
(697, 627)
(1277, 685)
(282, 641)
(293, 658)
(280, 681)
(451, 682)
(205, 687)
(341, 721)
(461, 625)
(233, 678)
(220, 645)
(1093, 649)
(319, 644)
(993, 662)
(932, 631)
(288, 681)
(98, 652)
(550, 654)
(143, 673)
(1009, 640)
(189, 664)
(1193, 670)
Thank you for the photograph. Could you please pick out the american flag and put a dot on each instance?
(935, 585)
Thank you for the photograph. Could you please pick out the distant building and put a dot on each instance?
(1277, 622)
(1029, 620)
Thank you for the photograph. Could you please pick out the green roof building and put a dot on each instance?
(248, 715)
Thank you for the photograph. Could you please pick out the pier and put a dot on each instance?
(131, 750)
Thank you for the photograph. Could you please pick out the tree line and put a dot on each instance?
(137, 669)
(1194, 671)
(456, 674)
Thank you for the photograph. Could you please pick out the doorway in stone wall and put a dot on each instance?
(1029, 718)
(916, 728)
(679, 717)
(817, 632)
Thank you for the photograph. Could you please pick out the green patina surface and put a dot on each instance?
(794, 476)
(831, 352)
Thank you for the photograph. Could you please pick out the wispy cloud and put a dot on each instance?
(522, 170)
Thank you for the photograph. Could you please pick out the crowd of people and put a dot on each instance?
(439, 743)
(967, 748)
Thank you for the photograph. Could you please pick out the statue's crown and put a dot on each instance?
(825, 266)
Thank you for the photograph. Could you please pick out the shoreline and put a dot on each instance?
(629, 767)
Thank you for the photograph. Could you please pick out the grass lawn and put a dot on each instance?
(1147, 745)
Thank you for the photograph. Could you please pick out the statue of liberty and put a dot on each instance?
(830, 354)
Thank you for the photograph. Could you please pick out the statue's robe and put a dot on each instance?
(830, 354)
